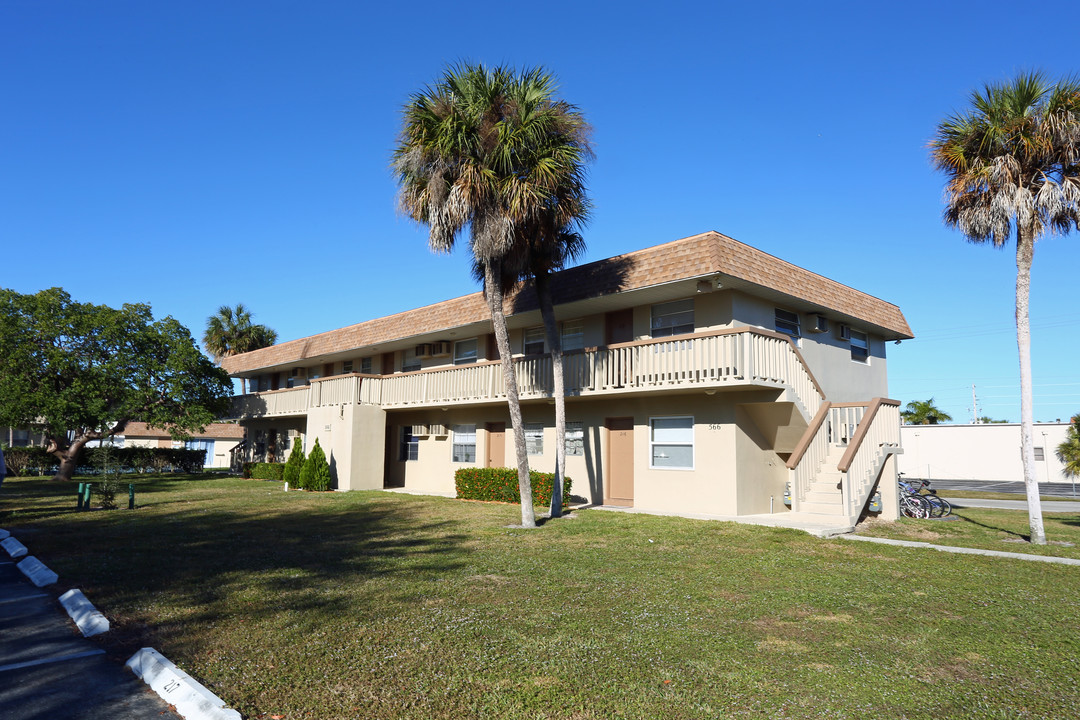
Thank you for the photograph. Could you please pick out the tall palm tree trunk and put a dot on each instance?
(551, 329)
(493, 286)
(1025, 251)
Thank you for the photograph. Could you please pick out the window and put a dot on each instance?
(671, 442)
(573, 335)
(410, 445)
(575, 438)
(409, 361)
(207, 445)
(787, 322)
(20, 438)
(465, 443)
(365, 365)
(673, 318)
(253, 384)
(534, 438)
(860, 347)
(465, 352)
(534, 341)
(1039, 455)
(346, 367)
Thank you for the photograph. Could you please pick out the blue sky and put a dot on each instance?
(196, 154)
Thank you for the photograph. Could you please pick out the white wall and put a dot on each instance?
(978, 452)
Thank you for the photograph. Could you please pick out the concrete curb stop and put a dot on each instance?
(14, 548)
(4, 534)
(86, 616)
(34, 569)
(176, 687)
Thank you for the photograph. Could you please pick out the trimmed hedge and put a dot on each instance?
(501, 485)
(96, 460)
(268, 471)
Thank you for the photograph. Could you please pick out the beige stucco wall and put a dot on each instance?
(829, 358)
(978, 452)
(735, 471)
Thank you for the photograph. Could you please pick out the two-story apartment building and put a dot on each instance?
(702, 375)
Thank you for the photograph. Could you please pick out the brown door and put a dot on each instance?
(619, 326)
(496, 445)
(387, 364)
(619, 487)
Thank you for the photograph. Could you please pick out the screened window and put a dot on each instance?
(253, 384)
(409, 361)
(410, 445)
(534, 341)
(20, 438)
(787, 322)
(575, 438)
(860, 347)
(464, 443)
(671, 442)
(365, 365)
(534, 438)
(1039, 454)
(465, 352)
(346, 367)
(673, 318)
(573, 335)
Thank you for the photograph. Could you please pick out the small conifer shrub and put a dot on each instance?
(294, 464)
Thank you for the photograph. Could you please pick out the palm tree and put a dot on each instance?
(485, 148)
(923, 412)
(1013, 162)
(1068, 452)
(230, 332)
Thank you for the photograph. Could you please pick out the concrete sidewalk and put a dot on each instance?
(49, 670)
(1050, 506)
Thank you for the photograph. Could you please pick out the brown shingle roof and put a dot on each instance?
(216, 431)
(698, 255)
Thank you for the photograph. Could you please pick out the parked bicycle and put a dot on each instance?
(921, 501)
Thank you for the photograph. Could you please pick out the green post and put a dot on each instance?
(86, 496)
(78, 498)
(131, 496)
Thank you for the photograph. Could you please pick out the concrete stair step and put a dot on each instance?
(821, 508)
(823, 498)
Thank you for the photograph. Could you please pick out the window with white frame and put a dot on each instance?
(860, 346)
(534, 341)
(1040, 454)
(346, 367)
(365, 365)
(787, 322)
(410, 445)
(464, 443)
(534, 438)
(465, 352)
(409, 361)
(207, 445)
(575, 438)
(673, 318)
(573, 335)
(671, 442)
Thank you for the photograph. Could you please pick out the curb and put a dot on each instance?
(965, 550)
(14, 548)
(34, 569)
(86, 616)
(191, 700)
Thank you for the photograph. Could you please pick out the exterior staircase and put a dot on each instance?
(823, 494)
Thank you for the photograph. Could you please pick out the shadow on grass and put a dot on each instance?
(1026, 538)
(201, 565)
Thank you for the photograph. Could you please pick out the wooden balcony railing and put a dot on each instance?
(706, 360)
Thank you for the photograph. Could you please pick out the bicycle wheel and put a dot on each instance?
(912, 508)
(946, 507)
(935, 504)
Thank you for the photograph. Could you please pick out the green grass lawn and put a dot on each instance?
(378, 605)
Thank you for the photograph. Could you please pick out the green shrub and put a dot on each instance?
(294, 463)
(501, 485)
(315, 473)
(246, 468)
(268, 471)
(142, 459)
(22, 461)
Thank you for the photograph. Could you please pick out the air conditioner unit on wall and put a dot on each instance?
(843, 332)
(818, 324)
(423, 350)
(440, 349)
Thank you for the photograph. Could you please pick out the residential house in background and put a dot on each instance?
(219, 440)
(703, 375)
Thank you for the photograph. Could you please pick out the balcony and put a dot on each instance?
(712, 360)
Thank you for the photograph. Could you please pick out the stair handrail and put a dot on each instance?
(856, 490)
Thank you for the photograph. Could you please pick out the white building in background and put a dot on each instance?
(979, 452)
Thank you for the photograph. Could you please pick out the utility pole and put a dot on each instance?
(974, 406)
